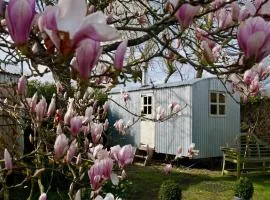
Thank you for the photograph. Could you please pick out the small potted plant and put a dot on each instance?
(243, 189)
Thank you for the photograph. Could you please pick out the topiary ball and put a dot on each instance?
(244, 188)
(169, 190)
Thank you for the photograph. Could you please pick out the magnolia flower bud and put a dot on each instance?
(43, 196)
(120, 55)
(21, 85)
(41, 108)
(35, 48)
(8, 160)
(52, 106)
(75, 125)
(61, 145)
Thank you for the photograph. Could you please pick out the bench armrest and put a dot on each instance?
(228, 149)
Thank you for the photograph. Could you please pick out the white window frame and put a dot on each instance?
(147, 105)
(218, 104)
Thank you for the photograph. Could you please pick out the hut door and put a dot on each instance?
(147, 126)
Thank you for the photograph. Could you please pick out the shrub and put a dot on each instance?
(169, 190)
(244, 188)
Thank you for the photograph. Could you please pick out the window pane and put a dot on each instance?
(145, 110)
(149, 100)
(221, 98)
(222, 109)
(149, 110)
(144, 100)
(213, 97)
(213, 109)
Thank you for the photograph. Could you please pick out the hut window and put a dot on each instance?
(217, 103)
(147, 105)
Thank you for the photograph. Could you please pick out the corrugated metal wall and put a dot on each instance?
(175, 132)
(210, 132)
(132, 136)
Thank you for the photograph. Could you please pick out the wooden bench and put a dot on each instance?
(248, 153)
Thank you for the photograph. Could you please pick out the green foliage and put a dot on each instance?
(101, 96)
(46, 89)
(244, 188)
(120, 191)
(169, 190)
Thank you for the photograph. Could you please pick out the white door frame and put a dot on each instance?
(147, 132)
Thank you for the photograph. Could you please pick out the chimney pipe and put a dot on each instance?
(144, 76)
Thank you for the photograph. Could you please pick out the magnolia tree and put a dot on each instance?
(99, 44)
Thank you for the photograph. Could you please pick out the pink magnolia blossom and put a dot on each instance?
(125, 96)
(96, 132)
(254, 38)
(87, 55)
(75, 125)
(249, 75)
(19, 17)
(255, 87)
(101, 170)
(95, 150)
(176, 108)
(70, 16)
(179, 152)
(207, 53)
(160, 113)
(43, 196)
(262, 71)
(124, 155)
(71, 151)
(41, 109)
(8, 160)
(70, 112)
(88, 115)
(52, 106)
(168, 169)
(202, 35)
(224, 18)
(21, 85)
(120, 55)
(119, 126)
(33, 102)
(186, 13)
(60, 145)
(114, 152)
(191, 150)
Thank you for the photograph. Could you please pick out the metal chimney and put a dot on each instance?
(144, 76)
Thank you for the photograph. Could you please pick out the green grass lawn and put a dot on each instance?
(196, 184)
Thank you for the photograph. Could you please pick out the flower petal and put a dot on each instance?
(71, 14)
(254, 43)
(120, 55)
(97, 32)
